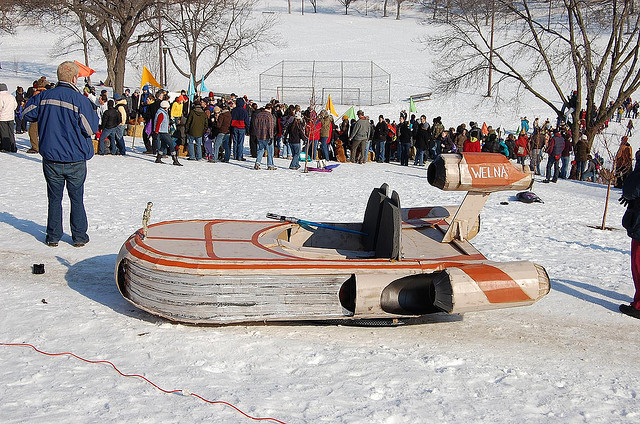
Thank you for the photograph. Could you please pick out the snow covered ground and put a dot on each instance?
(572, 357)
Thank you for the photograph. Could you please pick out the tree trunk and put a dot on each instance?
(85, 47)
(384, 9)
(397, 11)
(289, 2)
(119, 67)
(606, 201)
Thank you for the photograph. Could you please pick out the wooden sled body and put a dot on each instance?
(408, 263)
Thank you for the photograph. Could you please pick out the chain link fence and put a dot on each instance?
(359, 83)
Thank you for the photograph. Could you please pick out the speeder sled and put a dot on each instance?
(397, 263)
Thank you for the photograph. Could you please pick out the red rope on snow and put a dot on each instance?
(184, 392)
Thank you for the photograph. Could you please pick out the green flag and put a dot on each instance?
(350, 113)
(412, 106)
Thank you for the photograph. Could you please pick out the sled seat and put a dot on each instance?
(372, 215)
(389, 234)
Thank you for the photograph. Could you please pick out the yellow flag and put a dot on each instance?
(330, 107)
(147, 78)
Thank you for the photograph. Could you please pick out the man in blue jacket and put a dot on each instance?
(66, 121)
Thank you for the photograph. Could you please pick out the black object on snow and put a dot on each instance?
(528, 197)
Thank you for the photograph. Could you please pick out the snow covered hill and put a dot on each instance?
(572, 357)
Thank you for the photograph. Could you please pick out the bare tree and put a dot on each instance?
(384, 9)
(346, 4)
(398, 3)
(212, 32)
(7, 9)
(314, 3)
(116, 25)
(592, 48)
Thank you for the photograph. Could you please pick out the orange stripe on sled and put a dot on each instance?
(497, 285)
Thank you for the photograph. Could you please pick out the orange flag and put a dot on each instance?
(147, 78)
(485, 129)
(330, 107)
(85, 71)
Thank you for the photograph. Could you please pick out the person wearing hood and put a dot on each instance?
(196, 126)
(8, 106)
(239, 124)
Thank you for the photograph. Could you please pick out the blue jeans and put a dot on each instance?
(552, 162)
(295, 152)
(276, 142)
(112, 134)
(73, 174)
(378, 148)
(365, 156)
(222, 140)
(325, 147)
(565, 167)
(404, 153)
(262, 146)
(286, 150)
(165, 141)
(580, 169)
(419, 157)
(310, 150)
(120, 142)
(238, 143)
(198, 141)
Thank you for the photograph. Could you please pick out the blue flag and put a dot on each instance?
(203, 88)
(192, 88)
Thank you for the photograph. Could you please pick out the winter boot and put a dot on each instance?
(175, 160)
(159, 158)
(630, 310)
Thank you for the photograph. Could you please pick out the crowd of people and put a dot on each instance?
(215, 128)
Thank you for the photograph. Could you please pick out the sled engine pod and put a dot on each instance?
(477, 172)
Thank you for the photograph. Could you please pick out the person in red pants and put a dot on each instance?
(631, 222)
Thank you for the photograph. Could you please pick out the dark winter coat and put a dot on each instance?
(404, 133)
(491, 145)
(111, 118)
(263, 125)
(285, 123)
(224, 122)
(556, 146)
(197, 122)
(446, 144)
(422, 136)
(296, 132)
(380, 132)
(631, 192)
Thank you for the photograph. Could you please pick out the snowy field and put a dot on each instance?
(571, 357)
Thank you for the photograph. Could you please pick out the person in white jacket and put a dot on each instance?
(8, 106)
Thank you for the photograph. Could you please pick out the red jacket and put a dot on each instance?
(472, 146)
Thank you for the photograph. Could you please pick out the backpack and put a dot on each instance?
(528, 197)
